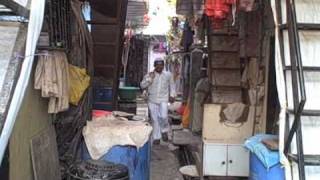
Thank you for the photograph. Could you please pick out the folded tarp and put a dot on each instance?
(267, 157)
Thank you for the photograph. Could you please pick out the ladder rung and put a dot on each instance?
(305, 68)
(302, 26)
(306, 112)
(309, 160)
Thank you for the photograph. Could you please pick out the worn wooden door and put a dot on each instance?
(107, 28)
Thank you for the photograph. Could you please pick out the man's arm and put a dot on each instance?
(146, 82)
(172, 88)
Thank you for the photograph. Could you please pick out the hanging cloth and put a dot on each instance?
(218, 11)
(52, 77)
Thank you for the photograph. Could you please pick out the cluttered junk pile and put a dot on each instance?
(115, 144)
(91, 144)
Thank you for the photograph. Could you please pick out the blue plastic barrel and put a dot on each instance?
(259, 172)
(102, 94)
(137, 160)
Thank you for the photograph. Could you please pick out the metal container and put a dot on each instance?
(128, 93)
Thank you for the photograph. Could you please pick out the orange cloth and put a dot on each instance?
(186, 115)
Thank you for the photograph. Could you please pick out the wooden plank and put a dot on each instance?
(225, 60)
(226, 77)
(195, 75)
(44, 154)
(223, 43)
(221, 96)
(267, 57)
(218, 132)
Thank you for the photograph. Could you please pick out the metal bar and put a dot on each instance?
(64, 23)
(305, 68)
(293, 76)
(297, 80)
(60, 22)
(307, 112)
(299, 59)
(300, 150)
(54, 21)
(50, 16)
(294, 80)
(69, 36)
(311, 160)
(303, 26)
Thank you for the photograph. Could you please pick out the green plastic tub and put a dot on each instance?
(128, 93)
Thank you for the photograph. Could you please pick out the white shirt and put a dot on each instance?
(160, 87)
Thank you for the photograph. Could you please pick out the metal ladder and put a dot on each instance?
(298, 86)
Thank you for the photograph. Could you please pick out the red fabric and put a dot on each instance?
(181, 109)
(218, 10)
(100, 113)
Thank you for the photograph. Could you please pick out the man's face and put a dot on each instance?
(159, 68)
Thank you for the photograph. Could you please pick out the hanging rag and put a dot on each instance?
(52, 78)
(234, 113)
(79, 82)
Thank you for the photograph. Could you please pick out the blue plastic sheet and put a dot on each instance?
(267, 157)
(137, 160)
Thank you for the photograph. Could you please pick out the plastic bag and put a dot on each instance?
(79, 82)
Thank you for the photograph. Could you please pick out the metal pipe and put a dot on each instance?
(34, 29)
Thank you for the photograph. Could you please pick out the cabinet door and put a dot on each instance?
(238, 161)
(215, 160)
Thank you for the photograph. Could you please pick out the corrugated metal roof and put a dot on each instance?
(136, 10)
(9, 7)
(11, 42)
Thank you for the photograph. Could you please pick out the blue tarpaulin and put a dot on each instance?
(137, 160)
(267, 157)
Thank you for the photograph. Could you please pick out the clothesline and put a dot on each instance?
(17, 55)
(37, 54)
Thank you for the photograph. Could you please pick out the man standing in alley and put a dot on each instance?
(161, 89)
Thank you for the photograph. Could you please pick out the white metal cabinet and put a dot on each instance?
(214, 160)
(225, 160)
(238, 161)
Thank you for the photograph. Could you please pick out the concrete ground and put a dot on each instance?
(164, 163)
